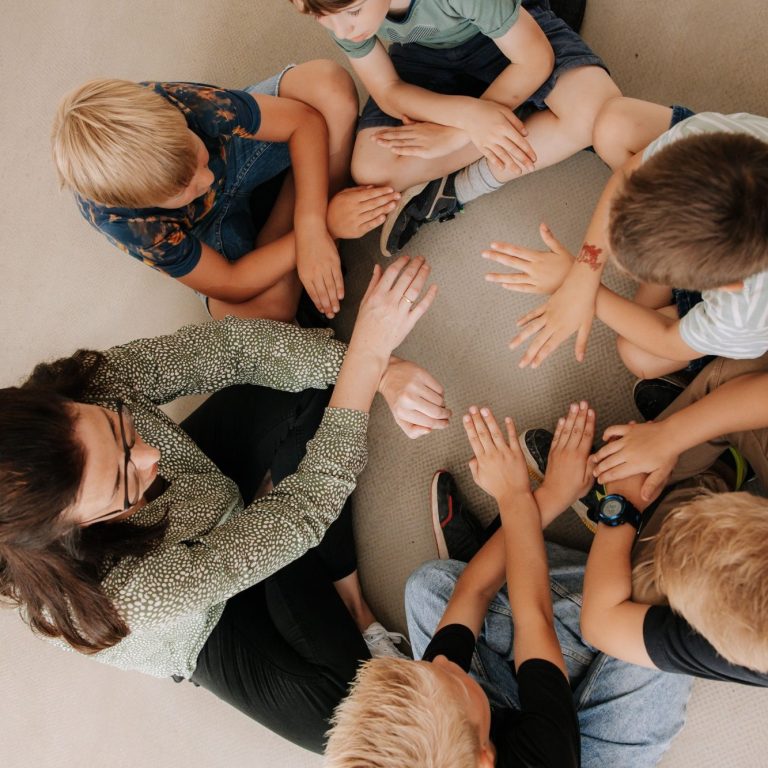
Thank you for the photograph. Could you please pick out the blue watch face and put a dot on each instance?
(611, 508)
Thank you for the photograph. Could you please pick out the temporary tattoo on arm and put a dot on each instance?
(589, 255)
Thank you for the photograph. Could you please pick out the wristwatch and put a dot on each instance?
(615, 510)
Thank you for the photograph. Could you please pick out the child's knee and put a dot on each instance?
(339, 92)
(610, 129)
(370, 166)
(633, 357)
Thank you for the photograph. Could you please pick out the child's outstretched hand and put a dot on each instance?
(569, 467)
(498, 466)
(536, 271)
(319, 268)
(355, 211)
(425, 140)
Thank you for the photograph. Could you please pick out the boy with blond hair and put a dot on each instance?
(468, 96)
(490, 691)
(683, 213)
(169, 173)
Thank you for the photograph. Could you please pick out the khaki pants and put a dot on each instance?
(694, 470)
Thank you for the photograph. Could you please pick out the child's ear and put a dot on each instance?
(735, 287)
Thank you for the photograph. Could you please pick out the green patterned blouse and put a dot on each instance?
(215, 547)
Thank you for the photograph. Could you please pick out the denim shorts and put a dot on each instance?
(244, 204)
(469, 68)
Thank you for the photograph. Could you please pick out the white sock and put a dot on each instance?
(475, 180)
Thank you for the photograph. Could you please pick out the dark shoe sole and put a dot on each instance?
(392, 216)
(437, 530)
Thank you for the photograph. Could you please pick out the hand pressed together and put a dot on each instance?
(416, 399)
(355, 211)
(425, 140)
(634, 449)
(319, 268)
(497, 466)
(500, 135)
(569, 468)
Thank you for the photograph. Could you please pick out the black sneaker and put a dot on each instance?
(535, 444)
(458, 533)
(418, 205)
(653, 396)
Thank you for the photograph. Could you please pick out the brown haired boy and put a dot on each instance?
(687, 211)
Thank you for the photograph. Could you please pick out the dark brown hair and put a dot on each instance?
(321, 7)
(49, 566)
(695, 215)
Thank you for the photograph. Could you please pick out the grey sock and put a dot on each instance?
(475, 180)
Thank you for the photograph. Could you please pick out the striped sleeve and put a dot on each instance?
(731, 324)
(710, 122)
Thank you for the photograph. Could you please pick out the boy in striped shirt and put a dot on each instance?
(684, 208)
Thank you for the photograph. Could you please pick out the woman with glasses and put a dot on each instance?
(141, 542)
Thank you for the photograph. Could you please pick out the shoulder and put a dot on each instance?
(710, 122)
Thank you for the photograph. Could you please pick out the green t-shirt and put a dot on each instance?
(440, 24)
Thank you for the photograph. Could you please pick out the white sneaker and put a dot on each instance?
(381, 643)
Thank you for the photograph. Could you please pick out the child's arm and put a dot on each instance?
(498, 467)
(610, 620)
(736, 406)
(317, 259)
(488, 122)
(571, 307)
(567, 478)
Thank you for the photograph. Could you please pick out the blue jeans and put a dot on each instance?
(230, 228)
(628, 715)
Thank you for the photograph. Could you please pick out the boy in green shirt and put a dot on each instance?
(468, 96)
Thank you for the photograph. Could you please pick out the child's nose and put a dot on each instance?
(144, 455)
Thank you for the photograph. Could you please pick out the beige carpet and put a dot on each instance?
(64, 287)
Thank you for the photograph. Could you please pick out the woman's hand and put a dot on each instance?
(634, 449)
(319, 268)
(536, 271)
(569, 469)
(391, 305)
(498, 466)
(387, 313)
(425, 140)
(355, 211)
(416, 399)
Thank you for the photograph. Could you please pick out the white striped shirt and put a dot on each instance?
(728, 323)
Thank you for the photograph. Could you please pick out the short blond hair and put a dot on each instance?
(398, 716)
(710, 560)
(120, 143)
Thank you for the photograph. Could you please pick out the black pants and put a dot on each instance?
(286, 649)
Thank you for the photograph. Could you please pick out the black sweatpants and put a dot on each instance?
(286, 649)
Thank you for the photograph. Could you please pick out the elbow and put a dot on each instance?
(589, 626)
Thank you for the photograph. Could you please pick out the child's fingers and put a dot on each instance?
(508, 278)
(588, 436)
(493, 428)
(512, 440)
(532, 315)
(550, 240)
(570, 420)
(579, 422)
(472, 436)
(473, 468)
(610, 434)
(551, 344)
(380, 210)
(532, 328)
(541, 338)
(582, 336)
(482, 429)
(558, 441)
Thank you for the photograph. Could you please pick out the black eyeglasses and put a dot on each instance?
(130, 473)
